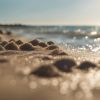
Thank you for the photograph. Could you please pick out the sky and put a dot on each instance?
(50, 12)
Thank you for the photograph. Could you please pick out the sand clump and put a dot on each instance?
(85, 65)
(45, 71)
(42, 44)
(35, 42)
(19, 42)
(58, 52)
(50, 43)
(65, 65)
(27, 47)
(11, 46)
(3, 43)
(52, 47)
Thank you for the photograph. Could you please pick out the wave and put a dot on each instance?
(83, 37)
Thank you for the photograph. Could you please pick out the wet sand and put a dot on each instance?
(37, 70)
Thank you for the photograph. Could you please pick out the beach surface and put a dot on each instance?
(38, 70)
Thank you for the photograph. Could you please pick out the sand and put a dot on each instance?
(46, 71)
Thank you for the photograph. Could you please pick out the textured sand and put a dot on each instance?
(17, 82)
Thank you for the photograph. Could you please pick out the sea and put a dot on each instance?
(73, 37)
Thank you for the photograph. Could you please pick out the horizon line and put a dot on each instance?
(23, 24)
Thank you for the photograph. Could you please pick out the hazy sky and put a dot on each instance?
(50, 12)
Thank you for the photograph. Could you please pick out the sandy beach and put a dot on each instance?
(49, 50)
(37, 70)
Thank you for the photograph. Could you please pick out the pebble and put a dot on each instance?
(3, 43)
(19, 42)
(27, 47)
(65, 65)
(52, 47)
(34, 42)
(85, 65)
(42, 44)
(50, 43)
(11, 46)
(45, 71)
(58, 52)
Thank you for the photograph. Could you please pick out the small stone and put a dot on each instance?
(50, 43)
(65, 65)
(57, 52)
(52, 47)
(1, 32)
(11, 46)
(34, 42)
(27, 47)
(85, 65)
(45, 71)
(2, 48)
(19, 42)
(42, 44)
(3, 43)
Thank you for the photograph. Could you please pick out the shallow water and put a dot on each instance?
(76, 37)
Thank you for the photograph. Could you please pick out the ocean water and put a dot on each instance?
(75, 37)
